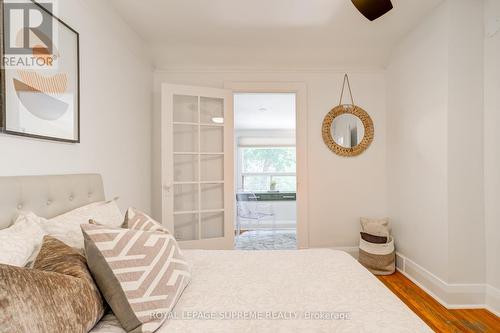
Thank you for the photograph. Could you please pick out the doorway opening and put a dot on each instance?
(265, 171)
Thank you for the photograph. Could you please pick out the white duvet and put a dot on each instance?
(283, 291)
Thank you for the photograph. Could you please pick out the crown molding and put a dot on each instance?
(236, 70)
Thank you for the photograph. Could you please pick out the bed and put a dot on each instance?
(320, 290)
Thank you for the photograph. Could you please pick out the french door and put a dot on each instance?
(197, 166)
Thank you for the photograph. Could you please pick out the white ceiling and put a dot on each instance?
(268, 33)
(264, 111)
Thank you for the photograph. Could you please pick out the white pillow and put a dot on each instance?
(66, 227)
(19, 241)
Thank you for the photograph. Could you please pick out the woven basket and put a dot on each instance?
(380, 259)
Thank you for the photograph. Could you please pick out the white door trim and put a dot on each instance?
(300, 89)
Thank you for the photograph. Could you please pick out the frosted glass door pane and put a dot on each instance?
(185, 197)
(212, 167)
(211, 110)
(196, 168)
(212, 196)
(186, 227)
(212, 225)
(186, 109)
(185, 138)
(212, 139)
(185, 168)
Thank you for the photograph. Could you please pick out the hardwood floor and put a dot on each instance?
(437, 316)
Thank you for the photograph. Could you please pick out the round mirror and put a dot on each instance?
(348, 130)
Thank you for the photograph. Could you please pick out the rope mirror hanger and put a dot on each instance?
(346, 109)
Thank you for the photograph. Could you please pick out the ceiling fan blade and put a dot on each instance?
(373, 9)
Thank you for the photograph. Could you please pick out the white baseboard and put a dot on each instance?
(450, 295)
(493, 300)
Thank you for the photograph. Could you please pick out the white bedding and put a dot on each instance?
(276, 284)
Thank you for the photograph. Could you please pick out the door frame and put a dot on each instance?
(167, 177)
(300, 90)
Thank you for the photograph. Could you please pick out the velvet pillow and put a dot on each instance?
(141, 274)
(58, 295)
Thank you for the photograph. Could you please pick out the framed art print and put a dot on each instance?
(40, 73)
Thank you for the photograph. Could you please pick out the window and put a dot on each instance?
(268, 169)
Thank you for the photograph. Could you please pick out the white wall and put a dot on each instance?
(491, 148)
(417, 136)
(340, 189)
(465, 141)
(116, 86)
(435, 150)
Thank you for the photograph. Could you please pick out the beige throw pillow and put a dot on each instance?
(376, 227)
(141, 274)
(59, 295)
(66, 227)
(19, 241)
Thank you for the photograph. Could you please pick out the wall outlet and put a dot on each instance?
(400, 262)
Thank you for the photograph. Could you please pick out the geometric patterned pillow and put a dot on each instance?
(135, 219)
(141, 274)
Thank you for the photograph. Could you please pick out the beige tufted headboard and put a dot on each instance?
(47, 196)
